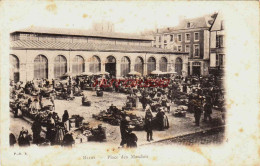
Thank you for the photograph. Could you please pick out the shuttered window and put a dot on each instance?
(163, 64)
(40, 67)
(60, 66)
(78, 65)
(151, 65)
(94, 65)
(14, 68)
(139, 65)
(125, 66)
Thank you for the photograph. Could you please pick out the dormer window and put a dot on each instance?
(188, 25)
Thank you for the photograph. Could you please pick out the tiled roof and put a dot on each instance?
(200, 22)
(82, 32)
(48, 45)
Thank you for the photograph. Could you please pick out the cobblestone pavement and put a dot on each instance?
(178, 125)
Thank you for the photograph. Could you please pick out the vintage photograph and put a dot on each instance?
(73, 86)
(131, 83)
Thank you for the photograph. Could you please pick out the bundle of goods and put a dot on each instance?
(100, 93)
(47, 105)
(131, 102)
(46, 92)
(85, 101)
(76, 121)
(77, 92)
(110, 117)
(98, 134)
(155, 106)
(136, 122)
(180, 112)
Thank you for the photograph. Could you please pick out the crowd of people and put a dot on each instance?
(200, 94)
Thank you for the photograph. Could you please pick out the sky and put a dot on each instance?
(128, 17)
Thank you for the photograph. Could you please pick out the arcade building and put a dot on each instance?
(49, 53)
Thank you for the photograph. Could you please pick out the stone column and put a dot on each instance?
(157, 66)
(103, 66)
(86, 66)
(132, 67)
(50, 70)
(118, 68)
(145, 69)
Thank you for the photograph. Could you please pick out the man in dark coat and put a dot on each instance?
(148, 125)
(68, 140)
(12, 139)
(131, 139)
(159, 119)
(207, 112)
(123, 130)
(197, 112)
(36, 129)
(23, 139)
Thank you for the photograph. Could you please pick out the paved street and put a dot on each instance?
(178, 125)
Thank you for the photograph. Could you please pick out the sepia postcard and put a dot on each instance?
(129, 83)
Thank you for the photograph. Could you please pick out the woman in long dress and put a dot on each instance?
(65, 120)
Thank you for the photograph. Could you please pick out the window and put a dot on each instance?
(187, 48)
(160, 39)
(187, 37)
(165, 41)
(171, 37)
(188, 25)
(179, 48)
(196, 36)
(160, 46)
(196, 50)
(163, 64)
(165, 45)
(179, 38)
(217, 60)
(219, 41)
(220, 60)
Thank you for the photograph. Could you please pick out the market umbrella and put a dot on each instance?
(102, 73)
(86, 73)
(156, 72)
(67, 74)
(134, 73)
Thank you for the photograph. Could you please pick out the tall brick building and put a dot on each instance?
(191, 36)
(49, 53)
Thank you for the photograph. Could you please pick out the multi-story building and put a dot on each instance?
(190, 36)
(51, 52)
(217, 46)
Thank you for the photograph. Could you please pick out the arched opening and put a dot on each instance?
(40, 67)
(78, 65)
(95, 64)
(178, 66)
(125, 66)
(139, 65)
(163, 64)
(110, 65)
(60, 66)
(151, 65)
(14, 68)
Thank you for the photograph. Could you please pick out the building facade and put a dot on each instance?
(191, 36)
(217, 46)
(49, 53)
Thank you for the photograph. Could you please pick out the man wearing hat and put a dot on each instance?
(148, 124)
(123, 130)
